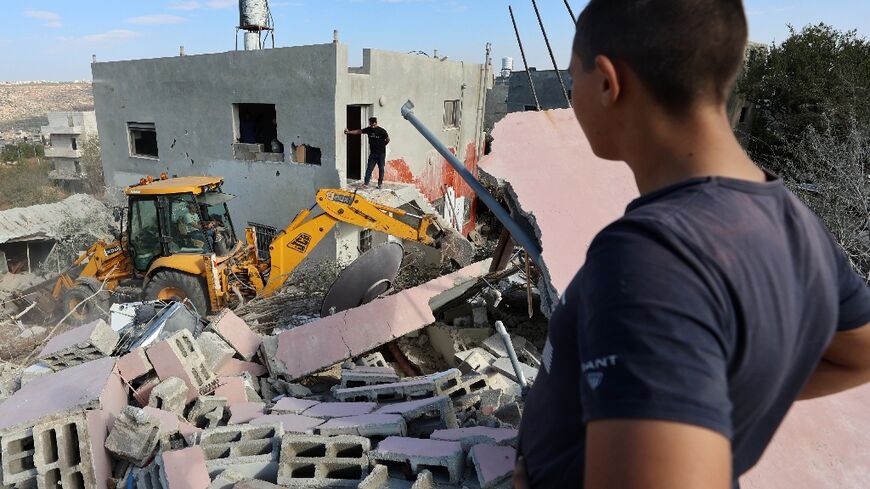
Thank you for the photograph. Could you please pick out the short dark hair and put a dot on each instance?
(682, 51)
(373, 120)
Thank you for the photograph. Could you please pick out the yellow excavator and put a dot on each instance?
(179, 244)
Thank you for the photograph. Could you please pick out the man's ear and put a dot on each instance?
(610, 88)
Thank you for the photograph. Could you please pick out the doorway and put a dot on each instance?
(354, 143)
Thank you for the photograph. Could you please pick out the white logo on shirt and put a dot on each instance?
(594, 379)
(602, 362)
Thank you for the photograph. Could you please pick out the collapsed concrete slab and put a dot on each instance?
(822, 443)
(493, 464)
(549, 195)
(319, 344)
(92, 385)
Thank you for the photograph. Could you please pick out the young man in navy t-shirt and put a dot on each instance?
(716, 301)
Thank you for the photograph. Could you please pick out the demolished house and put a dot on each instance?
(271, 122)
(420, 387)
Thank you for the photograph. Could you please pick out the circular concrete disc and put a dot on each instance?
(369, 276)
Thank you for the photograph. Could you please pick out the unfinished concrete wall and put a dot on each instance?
(384, 83)
(190, 100)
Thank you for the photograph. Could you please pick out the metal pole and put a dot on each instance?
(570, 11)
(512, 354)
(512, 226)
(523, 54)
(550, 49)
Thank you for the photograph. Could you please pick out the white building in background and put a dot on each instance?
(65, 135)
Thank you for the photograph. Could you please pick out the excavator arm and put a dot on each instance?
(296, 242)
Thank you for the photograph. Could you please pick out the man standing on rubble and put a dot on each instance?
(378, 141)
(713, 304)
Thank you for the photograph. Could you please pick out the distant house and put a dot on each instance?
(65, 134)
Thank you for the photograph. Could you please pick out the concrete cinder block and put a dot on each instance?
(134, 365)
(375, 359)
(83, 344)
(493, 464)
(170, 395)
(216, 351)
(262, 471)
(478, 435)
(134, 436)
(184, 469)
(445, 381)
(378, 478)
(506, 368)
(180, 356)
(495, 344)
(424, 416)
(235, 331)
(358, 378)
(474, 360)
(227, 446)
(291, 423)
(510, 414)
(70, 452)
(18, 451)
(397, 391)
(468, 384)
(207, 411)
(435, 455)
(365, 425)
(232, 389)
(336, 461)
(328, 410)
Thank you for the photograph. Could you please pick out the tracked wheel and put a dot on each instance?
(171, 285)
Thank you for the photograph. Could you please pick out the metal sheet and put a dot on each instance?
(215, 198)
(369, 276)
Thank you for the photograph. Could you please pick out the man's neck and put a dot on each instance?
(665, 151)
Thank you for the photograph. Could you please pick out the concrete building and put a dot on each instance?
(65, 134)
(217, 114)
(513, 94)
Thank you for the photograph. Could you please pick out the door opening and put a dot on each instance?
(354, 143)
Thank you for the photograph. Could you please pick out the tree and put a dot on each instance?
(92, 167)
(811, 126)
(819, 77)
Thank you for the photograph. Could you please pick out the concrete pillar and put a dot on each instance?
(252, 41)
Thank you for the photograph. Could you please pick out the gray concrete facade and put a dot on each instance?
(192, 102)
(513, 94)
(66, 133)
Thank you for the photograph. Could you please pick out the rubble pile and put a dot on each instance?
(158, 397)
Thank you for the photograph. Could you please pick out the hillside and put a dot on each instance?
(23, 106)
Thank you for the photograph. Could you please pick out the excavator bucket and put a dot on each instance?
(455, 247)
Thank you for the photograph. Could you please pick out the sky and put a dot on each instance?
(54, 39)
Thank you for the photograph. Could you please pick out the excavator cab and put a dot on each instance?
(172, 224)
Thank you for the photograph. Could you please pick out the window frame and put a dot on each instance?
(453, 109)
(131, 143)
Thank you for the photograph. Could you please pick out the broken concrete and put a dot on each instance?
(79, 345)
(424, 416)
(477, 435)
(372, 425)
(313, 346)
(328, 410)
(216, 351)
(134, 365)
(493, 464)
(237, 334)
(244, 412)
(423, 454)
(290, 423)
(134, 436)
(607, 186)
(169, 395)
(184, 469)
(179, 356)
(334, 461)
(291, 405)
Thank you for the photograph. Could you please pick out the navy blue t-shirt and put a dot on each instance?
(709, 303)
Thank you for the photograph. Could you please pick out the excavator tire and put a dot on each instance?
(172, 285)
(86, 312)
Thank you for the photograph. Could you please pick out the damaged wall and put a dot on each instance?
(190, 102)
(565, 192)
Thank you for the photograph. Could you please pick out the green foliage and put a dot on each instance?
(27, 183)
(92, 166)
(22, 150)
(811, 126)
